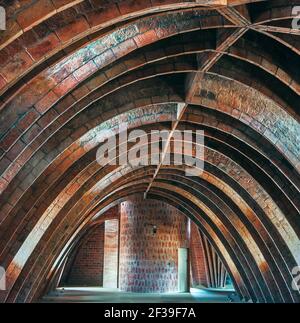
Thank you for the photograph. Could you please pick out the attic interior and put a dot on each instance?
(74, 228)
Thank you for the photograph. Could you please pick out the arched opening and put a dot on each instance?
(143, 249)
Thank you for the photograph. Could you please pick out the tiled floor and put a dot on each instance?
(101, 295)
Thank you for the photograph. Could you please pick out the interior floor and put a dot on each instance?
(150, 146)
(104, 295)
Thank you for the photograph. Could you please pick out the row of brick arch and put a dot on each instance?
(95, 181)
(38, 97)
(79, 24)
(34, 209)
(31, 126)
(51, 118)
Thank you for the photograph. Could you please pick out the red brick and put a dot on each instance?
(15, 150)
(11, 172)
(44, 47)
(72, 30)
(30, 117)
(85, 71)
(16, 66)
(31, 133)
(35, 13)
(65, 86)
(47, 118)
(85, 268)
(10, 138)
(103, 15)
(146, 38)
(46, 102)
(133, 6)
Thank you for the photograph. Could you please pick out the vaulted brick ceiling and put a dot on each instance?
(69, 68)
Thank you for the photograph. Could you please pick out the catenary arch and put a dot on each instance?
(51, 97)
(247, 105)
(255, 122)
(30, 202)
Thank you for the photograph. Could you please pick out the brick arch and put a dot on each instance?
(17, 27)
(52, 94)
(161, 198)
(50, 117)
(24, 153)
(47, 193)
(181, 208)
(255, 122)
(130, 36)
(51, 114)
(57, 165)
(17, 146)
(35, 120)
(64, 97)
(96, 16)
(209, 195)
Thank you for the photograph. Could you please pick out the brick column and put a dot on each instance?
(150, 234)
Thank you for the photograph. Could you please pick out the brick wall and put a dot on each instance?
(86, 269)
(148, 261)
(86, 263)
(198, 263)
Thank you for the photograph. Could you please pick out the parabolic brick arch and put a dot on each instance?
(69, 69)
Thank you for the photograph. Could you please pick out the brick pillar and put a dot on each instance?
(111, 251)
(150, 234)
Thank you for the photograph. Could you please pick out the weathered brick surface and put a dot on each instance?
(66, 67)
(79, 25)
(86, 269)
(199, 270)
(149, 261)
